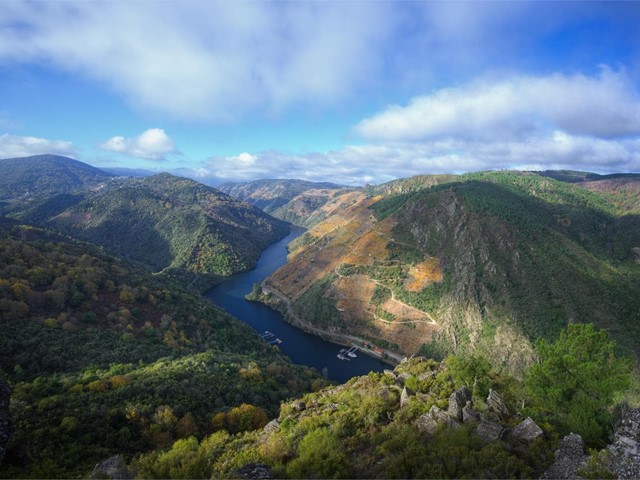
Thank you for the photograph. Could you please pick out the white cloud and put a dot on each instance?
(152, 144)
(18, 146)
(377, 163)
(204, 59)
(605, 106)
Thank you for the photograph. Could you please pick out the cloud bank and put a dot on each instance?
(12, 146)
(521, 122)
(603, 106)
(152, 144)
(212, 60)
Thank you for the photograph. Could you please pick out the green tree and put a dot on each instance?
(320, 455)
(576, 381)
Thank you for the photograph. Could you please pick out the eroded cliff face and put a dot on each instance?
(467, 266)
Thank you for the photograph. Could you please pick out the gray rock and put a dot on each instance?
(389, 373)
(457, 401)
(404, 397)
(469, 414)
(299, 406)
(255, 470)
(624, 452)
(570, 458)
(272, 427)
(5, 422)
(496, 404)
(402, 377)
(429, 422)
(426, 423)
(113, 467)
(426, 375)
(490, 431)
(526, 431)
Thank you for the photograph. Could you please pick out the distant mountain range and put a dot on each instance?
(295, 201)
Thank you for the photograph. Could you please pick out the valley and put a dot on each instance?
(460, 282)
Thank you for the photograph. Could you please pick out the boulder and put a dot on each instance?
(113, 467)
(624, 452)
(429, 422)
(490, 431)
(570, 458)
(389, 373)
(526, 431)
(272, 427)
(402, 377)
(457, 401)
(496, 405)
(404, 397)
(5, 424)
(299, 406)
(426, 375)
(469, 414)
(255, 470)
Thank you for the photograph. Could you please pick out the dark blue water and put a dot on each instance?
(301, 347)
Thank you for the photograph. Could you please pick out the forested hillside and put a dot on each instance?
(484, 262)
(174, 224)
(40, 176)
(104, 358)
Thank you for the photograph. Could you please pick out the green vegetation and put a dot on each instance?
(360, 430)
(105, 358)
(577, 380)
(41, 176)
(317, 306)
(174, 223)
(523, 249)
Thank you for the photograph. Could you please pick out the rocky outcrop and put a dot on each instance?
(299, 406)
(488, 428)
(457, 401)
(570, 458)
(113, 467)
(469, 414)
(490, 431)
(624, 452)
(5, 424)
(496, 405)
(272, 427)
(526, 431)
(429, 422)
(255, 470)
(404, 396)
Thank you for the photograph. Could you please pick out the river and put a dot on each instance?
(301, 347)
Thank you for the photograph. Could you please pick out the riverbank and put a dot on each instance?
(279, 302)
(302, 346)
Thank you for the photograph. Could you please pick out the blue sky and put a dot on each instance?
(351, 92)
